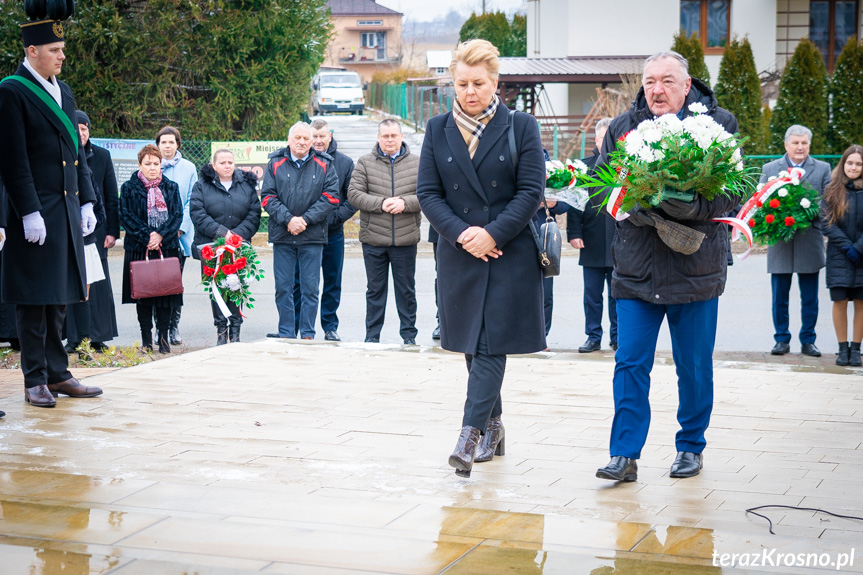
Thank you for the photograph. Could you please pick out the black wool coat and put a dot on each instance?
(592, 226)
(133, 215)
(455, 192)
(44, 170)
(105, 184)
(215, 211)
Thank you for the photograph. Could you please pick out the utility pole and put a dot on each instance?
(483, 6)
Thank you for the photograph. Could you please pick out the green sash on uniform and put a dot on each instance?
(51, 103)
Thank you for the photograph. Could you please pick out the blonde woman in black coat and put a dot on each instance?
(481, 205)
(224, 199)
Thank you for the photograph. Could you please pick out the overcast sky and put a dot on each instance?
(424, 11)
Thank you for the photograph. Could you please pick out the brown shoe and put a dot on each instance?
(39, 396)
(73, 388)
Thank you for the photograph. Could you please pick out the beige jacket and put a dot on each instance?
(376, 177)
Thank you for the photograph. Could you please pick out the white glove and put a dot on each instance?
(2, 238)
(34, 228)
(88, 219)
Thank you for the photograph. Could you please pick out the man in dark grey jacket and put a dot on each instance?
(652, 282)
(803, 255)
(300, 190)
(384, 189)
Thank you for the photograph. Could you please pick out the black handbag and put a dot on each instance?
(547, 237)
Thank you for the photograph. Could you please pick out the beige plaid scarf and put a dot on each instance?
(471, 127)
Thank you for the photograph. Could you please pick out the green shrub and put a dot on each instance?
(738, 90)
(690, 48)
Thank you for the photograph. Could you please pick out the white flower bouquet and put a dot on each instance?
(560, 182)
(670, 158)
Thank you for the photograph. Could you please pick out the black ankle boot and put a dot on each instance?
(234, 333)
(164, 344)
(146, 340)
(465, 449)
(854, 354)
(493, 442)
(842, 356)
(221, 335)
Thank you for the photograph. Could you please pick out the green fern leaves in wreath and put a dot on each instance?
(790, 210)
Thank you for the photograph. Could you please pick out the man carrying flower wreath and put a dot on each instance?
(651, 281)
(803, 255)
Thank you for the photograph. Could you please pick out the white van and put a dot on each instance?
(337, 91)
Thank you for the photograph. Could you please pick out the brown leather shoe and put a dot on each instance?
(73, 388)
(39, 396)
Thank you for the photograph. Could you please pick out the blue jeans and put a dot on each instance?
(594, 278)
(285, 261)
(781, 285)
(693, 334)
(332, 263)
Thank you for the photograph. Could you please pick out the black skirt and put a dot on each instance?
(163, 301)
(103, 316)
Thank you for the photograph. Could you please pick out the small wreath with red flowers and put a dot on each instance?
(791, 209)
(230, 265)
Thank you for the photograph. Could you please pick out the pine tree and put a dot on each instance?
(690, 48)
(216, 70)
(738, 90)
(802, 99)
(847, 88)
(509, 39)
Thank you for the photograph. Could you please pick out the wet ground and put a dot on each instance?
(315, 458)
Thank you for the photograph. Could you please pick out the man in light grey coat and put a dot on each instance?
(803, 255)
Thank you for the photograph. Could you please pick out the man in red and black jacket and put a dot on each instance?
(300, 190)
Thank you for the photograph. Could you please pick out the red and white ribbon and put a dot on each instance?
(615, 199)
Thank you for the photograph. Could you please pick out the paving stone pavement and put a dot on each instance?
(308, 457)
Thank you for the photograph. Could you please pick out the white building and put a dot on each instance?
(575, 29)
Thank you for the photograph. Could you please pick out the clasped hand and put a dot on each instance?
(479, 243)
(297, 225)
(155, 241)
(393, 205)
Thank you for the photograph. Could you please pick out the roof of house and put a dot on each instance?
(575, 69)
(358, 8)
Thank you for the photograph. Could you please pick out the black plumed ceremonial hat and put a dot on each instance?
(45, 26)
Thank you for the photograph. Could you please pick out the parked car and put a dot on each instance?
(337, 91)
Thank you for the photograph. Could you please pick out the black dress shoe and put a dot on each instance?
(810, 350)
(373, 340)
(781, 348)
(2, 414)
(39, 396)
(613, 345)
(410, 341)
(589, 346)
(686, 464)
(71, 346)
(436, 332)
(620, 468)
(98, 346)
(332, 336)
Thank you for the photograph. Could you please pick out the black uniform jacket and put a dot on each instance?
(45, 170)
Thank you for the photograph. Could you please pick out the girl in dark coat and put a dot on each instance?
(842, 210)
(151, 212)
(224, 200)
(489, 279)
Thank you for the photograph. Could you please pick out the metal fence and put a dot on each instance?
(413, 102)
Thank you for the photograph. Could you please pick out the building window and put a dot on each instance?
(370, 22)
(376, 41)
(709, 20)
(831, 24)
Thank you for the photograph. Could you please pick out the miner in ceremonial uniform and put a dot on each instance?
(50, 204)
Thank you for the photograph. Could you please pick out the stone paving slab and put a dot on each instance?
(291, 457)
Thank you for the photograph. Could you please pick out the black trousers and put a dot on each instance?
(40, 330)
(485, 378)
(378, 260)
(145, 318)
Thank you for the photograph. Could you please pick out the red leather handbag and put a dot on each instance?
(155, 278)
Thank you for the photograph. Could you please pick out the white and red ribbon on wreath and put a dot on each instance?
(740, 223)
(217, 295)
